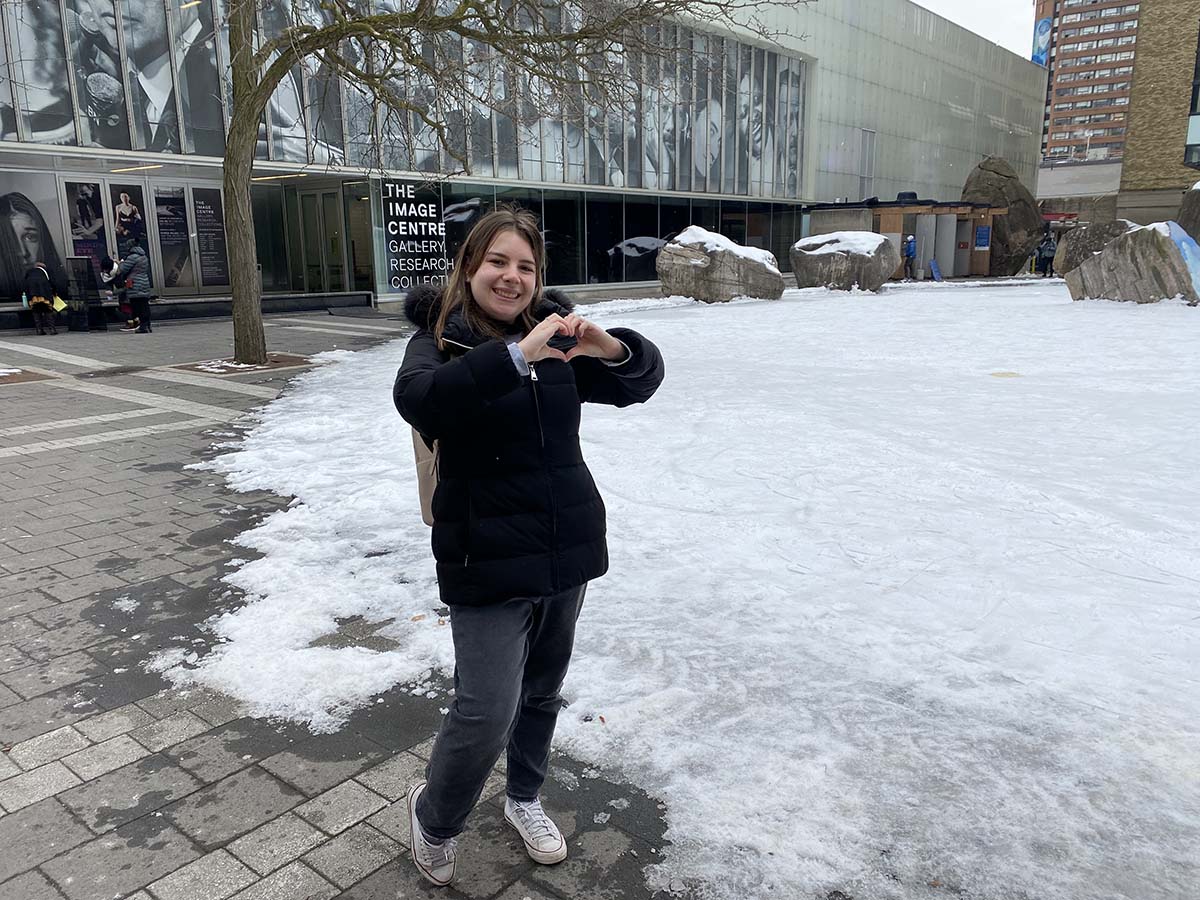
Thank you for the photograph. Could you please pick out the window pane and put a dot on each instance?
(706, 214)
(85, 207)
(758, 225)
(462, 206)
(8, 106)
(269, 236)
(733, 220)
(642, 243)
(604, 232)
(783, 224)
(526, 198)
(562, 227)
(674, 215)
(39, 66)
(174, 241)
(155, 118)
(196, 63)
(92, 35)
(128, 206)
(358, 234)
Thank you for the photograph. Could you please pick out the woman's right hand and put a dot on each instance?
(533, 345)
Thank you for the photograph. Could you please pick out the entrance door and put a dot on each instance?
(324, 246)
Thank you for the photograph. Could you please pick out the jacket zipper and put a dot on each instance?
(533, 381)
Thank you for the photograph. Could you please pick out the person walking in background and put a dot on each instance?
(910, 257)
(518, 525)
(135, 271)
(39, 290)
(1045, 255)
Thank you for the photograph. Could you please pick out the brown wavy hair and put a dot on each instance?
(470, 257)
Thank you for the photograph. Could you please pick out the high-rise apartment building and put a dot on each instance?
(1089, 48)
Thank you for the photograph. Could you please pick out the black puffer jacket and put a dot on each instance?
(516, 513)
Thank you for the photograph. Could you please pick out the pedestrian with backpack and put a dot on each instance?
(134, 270)
(494, 379)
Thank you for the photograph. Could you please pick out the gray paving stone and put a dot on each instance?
(114, 722)
(128, 793)
(8, 768)
(320, 762)
(12, 658)
(340, 807)
(25, 602)
(599, 862)
(29, 788)
(170, 731)
(172, 700)
(106, 757)
(30, 718)
(35, 834)
(30, 886)
(524, 890)
(353, 855)
(220, 710)
(214, 876)
(48, 747)
(119, 863)
(232, 806)
(74, 588)
(392, 778)
(48, 676)
(293, 882)
(276, 843)
(233, 746)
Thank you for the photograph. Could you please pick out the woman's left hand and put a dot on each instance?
(593, 340)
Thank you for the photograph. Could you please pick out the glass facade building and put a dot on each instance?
(113, 116)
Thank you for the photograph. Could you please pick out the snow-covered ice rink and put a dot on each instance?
(904, 598)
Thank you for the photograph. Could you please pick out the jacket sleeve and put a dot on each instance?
(124, 269)
(437, 396)
(633, 381)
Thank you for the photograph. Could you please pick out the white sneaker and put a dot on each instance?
(543, 841)
(434, 861)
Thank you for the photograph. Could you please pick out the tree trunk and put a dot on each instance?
(249, 338)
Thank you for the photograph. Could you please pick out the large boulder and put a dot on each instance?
(1189, 213)
(1085, 242)
(1145, 265)
(712, 268)
(1016, 235)
(845, 260)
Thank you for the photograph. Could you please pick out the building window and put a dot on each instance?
(1192, 153)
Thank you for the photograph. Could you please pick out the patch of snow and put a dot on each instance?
(906, 621)
(695, 236)
(222, 366)
(125, 604)
(5, 371)
(866, 242)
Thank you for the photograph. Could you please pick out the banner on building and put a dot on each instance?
(210, 236)
(1041, 41)
(415, 236)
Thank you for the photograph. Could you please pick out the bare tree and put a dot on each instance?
(411, 63)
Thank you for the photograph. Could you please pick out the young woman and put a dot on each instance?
(518, 524)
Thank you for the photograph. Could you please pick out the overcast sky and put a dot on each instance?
(1006, 22)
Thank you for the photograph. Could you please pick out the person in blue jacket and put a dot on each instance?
(910, 257)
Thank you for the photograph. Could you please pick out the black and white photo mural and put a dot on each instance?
(716, 116)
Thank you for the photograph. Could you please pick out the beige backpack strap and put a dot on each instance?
(427, 473)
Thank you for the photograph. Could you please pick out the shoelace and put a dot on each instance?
(535, 820)
(437, 855)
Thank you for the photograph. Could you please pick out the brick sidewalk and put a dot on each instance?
(115, 784)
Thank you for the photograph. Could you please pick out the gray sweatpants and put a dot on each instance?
(510, 662)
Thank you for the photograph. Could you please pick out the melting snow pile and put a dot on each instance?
(695, 236)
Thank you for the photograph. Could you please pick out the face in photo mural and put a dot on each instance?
(26, 238)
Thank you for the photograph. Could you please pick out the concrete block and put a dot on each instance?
(276, 843)
(212, 877)
(48, 747)
(106, 757)
(35, 834)
(170, 731)
(119, 863)
(338, 808)
(27, 789)
(232, 806)
(128, 793)
(293, 882)
(353, 855)
(114, 722)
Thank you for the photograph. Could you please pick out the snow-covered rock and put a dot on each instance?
(1189, 213)
(1085, 242)
(712, 268)
(845, 260)
(1145, 265)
